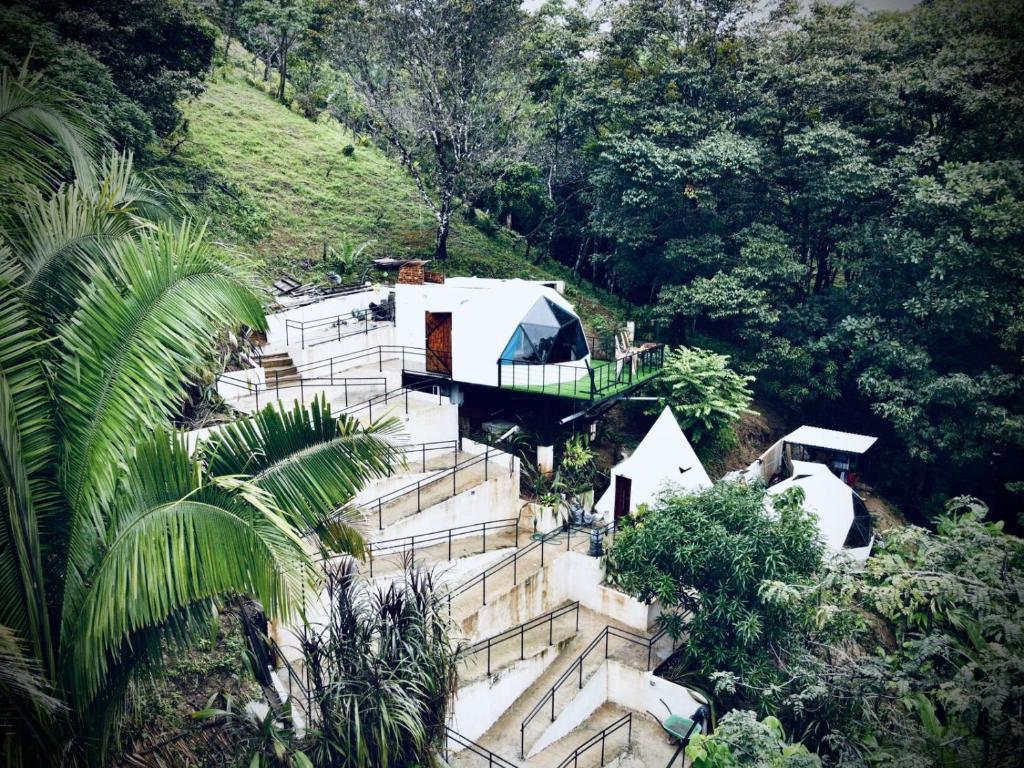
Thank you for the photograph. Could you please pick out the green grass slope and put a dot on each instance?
(278, 186)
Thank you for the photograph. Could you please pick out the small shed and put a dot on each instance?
(664, 459)
(840, 451)
(843, 519)
(466, 325)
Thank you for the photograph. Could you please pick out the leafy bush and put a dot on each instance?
(704, 393)
(704, 557)
(382, 670)
(743, 741)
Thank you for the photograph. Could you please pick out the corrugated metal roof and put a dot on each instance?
(830, 439)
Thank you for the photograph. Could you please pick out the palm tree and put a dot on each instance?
(115, 538)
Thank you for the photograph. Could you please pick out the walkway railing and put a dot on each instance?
(485, 645)
(360, 318)
(409, 544)
(493, 760)
(600, 739)
(313, 384)
(400, 394)
(379, 352)
(486, 459)
(575, 670)
(588, 381)
(514, 560)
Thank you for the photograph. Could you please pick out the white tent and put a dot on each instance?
(664, 459)
(831, 501)
(486, 319)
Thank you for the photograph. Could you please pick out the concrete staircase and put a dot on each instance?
(279, 369)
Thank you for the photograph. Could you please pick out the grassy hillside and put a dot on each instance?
(278, 186)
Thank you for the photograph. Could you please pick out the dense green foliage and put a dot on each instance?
(706, 395)
(917, 660)
(115, 538)
(912, 661)
(741, 740)
(128, 62)
(704, 557)
(382, 670)
(833, 198)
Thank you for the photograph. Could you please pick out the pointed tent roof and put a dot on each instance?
(664, 458)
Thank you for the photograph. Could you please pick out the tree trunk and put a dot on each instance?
(282, 70)
(229, 29)
(441, 239)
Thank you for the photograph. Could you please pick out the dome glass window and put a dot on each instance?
(547, 334)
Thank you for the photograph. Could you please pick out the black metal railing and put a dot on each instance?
(575, 670)
(276, 383)
(513, 561)
(400, 394)
(294, 683)
(493, 760)
(583, 382)
(407, 545)
(378, 352)
(600, 739)
(547, 619)
(486, 458)
(357, 322)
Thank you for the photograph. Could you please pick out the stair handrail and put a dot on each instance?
(625, 721)
(577, 667)
(377, 350)
(493, 760)
(520, 631)
(409, 544)
(511, 560)
(417, 487)
(514, 558)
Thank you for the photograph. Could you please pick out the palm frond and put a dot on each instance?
(176, 539)
(29, 498)
(61, 237)
(310, 462)
(126, 356)
(34, 121)
(28, 707)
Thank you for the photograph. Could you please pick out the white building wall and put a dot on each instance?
(485, 314)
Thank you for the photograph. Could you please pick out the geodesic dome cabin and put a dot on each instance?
(481, 325)
(547, 334)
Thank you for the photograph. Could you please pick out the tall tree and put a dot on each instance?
(439, 78)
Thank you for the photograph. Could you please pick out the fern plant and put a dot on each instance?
(705, 394)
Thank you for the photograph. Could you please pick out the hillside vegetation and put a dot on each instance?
(278, 186)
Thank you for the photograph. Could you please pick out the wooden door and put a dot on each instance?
(623, 490)
(439, 342)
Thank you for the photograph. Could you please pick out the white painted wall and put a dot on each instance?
(566, 576)
(620, 684)
(478, 706)
(485, 313)
(493, 499)
(644, 691)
